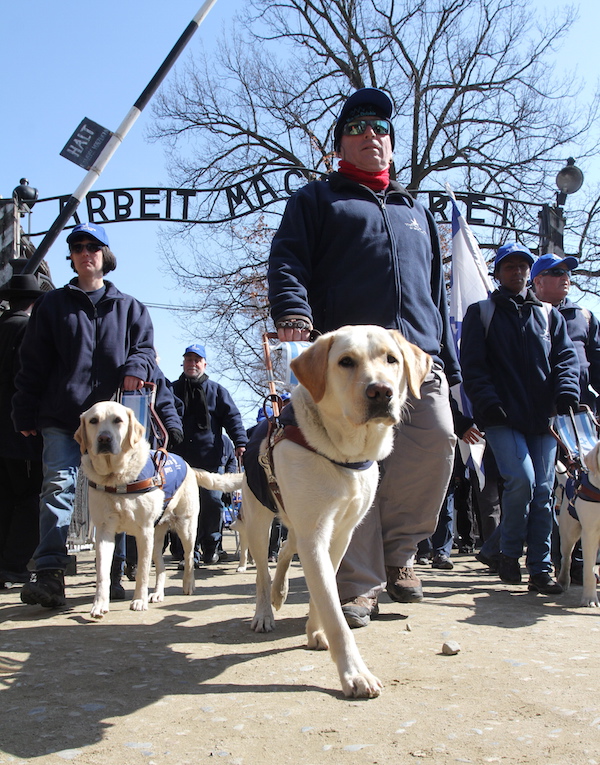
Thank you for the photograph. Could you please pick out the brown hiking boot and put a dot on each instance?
(403, 585)
(360, 610)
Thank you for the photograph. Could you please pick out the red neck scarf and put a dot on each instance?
(375, 181)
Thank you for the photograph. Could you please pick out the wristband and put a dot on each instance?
(293, 324)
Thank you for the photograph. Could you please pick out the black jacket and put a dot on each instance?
(526, 361)
(75, 354)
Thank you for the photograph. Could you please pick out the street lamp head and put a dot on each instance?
(25, 194)
(568, 181)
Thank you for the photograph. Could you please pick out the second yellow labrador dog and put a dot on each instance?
(586, 526)
(114, 455)
(353, 386)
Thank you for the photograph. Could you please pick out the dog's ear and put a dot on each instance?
(417, 363)
(590, 460)
(135, 432)
(80, 435)
(310, 367)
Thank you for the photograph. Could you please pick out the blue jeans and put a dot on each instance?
(526, 463)
(60, 460)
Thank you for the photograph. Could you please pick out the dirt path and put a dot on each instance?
(188, 682)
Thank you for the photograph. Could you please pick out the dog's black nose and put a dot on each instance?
(380, 391)
(104, 441)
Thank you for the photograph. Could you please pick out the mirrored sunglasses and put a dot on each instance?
(358, 127)
(554, 272)
(91, 247)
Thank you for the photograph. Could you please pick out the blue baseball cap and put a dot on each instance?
(261, 413)
(197, 349)
(513, 248)
(550, 260)
(89, 229)
(363, 102)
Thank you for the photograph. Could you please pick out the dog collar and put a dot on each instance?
(290, 430)
(138, 487)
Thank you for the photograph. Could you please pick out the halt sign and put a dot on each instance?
(84, 146)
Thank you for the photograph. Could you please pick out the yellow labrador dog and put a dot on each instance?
(114, 454)
(353, 386)
(587, 527)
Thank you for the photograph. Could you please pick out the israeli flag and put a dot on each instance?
(469, 283)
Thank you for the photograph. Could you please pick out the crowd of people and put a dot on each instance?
(352, 248)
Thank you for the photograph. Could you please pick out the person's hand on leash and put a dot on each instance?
(132, 383)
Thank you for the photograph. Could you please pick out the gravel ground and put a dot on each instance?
(188, 682)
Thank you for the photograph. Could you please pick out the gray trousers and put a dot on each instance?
(412, 487)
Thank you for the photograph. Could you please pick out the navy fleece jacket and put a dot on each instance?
(523, 364)
(75, 354)
(346, 255)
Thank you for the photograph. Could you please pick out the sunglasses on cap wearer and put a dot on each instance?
(358, 127)
(555, 272)
(79, 247)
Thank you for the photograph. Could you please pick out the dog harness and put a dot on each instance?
(259, 465)
(583, 488)
(162, 471)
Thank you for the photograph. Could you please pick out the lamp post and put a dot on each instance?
(552, 219)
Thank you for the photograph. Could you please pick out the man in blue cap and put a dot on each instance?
(519, 368)
(551, 280)
(208, 410)
(82, 342)
(356, 248)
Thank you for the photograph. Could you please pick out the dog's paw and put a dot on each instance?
(139, 605)
(156, 597)
(263, 623)
(279, 595)
(189, 588)
(241, 569)
(590, 601)
(361, 685)
(98, 610)
(317, 641)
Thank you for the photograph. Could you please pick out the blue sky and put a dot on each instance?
(63, 61)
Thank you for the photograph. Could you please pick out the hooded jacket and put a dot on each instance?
(344, 254)
(75, 354)
(523, 364)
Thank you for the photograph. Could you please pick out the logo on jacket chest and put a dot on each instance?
(413, 225)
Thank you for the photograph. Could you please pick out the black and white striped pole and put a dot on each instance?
(114, 141)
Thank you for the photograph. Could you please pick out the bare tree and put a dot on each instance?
(476, 98)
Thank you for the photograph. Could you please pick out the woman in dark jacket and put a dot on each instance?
(82, 342)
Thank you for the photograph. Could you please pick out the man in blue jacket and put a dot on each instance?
(519, 368)
(83, 341)
(356, 248)
(208, 409)
(551, 280)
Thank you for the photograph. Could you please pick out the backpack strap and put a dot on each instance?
(486, 311)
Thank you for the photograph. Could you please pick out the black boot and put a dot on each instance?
(47, 589)
(117, 591)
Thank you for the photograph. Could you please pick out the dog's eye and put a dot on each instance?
(118, 420)
(391, 359)
(346, 361)
(93, 420)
